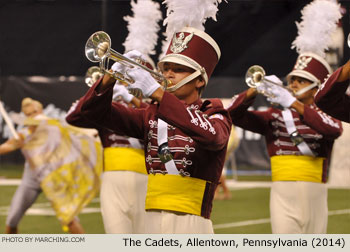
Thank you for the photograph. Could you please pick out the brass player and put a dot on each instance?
(299, 139)
(185, 137)
(300, 136)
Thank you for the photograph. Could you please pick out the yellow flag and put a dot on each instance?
(68, 164)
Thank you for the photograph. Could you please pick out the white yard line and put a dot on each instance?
(241, 223)
(48, 211)
(45, 209)
(267, 220)
(9, 182)
(232, 184)
(339, 212)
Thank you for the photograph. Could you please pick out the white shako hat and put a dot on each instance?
(319, 21)
(195, 49)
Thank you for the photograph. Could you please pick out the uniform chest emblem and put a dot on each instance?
(180, 43)
(302, 62)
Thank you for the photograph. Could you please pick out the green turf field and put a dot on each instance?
(252, 205)
(246, 213)
(238, 214)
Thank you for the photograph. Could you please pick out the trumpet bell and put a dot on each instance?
(254, 76)
(97, 46)
(98, 49)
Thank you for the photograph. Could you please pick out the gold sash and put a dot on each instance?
(297, 168)
(175, 193)
(124, 159)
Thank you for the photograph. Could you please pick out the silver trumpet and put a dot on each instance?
(98, 49)
(92, 75)
(254, 77)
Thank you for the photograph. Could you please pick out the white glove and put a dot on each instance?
(272, 78)
(262, 88)
(281, 96)
(120, 90)
(143, 81)
(266, 85)
(133, 55)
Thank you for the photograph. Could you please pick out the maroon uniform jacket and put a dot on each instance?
(332, 99)
(197, 133)
(108, 137)
(317, 129)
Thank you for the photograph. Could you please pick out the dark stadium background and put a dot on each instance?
(47, 38)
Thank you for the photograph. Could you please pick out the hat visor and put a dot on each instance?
(303, 74)
(182, 60)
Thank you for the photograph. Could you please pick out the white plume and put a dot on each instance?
(143, 27)
(319, 21)
(182, 13)
(193, 13)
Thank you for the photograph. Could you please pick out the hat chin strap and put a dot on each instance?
(305, 89)
(184, 81)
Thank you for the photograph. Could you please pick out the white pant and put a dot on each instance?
(298, 207)
(123, 195)
(163, 222)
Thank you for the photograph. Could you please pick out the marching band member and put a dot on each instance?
(333, 97)
(185, 138)
(299, 138)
